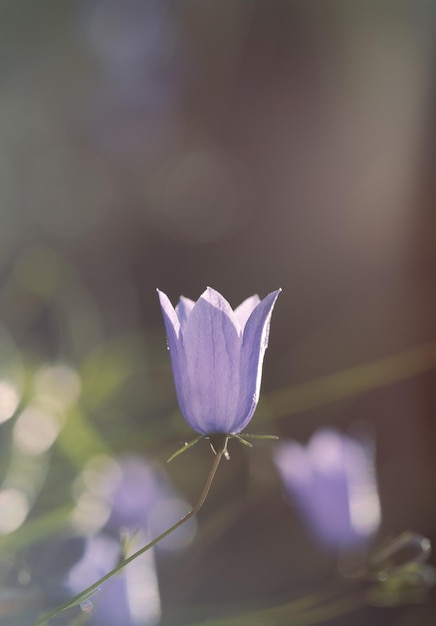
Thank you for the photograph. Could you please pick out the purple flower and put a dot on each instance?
(133, 487)
(333, 483)
(141, 503)
(141, 497)
(130, 598)
(217, 356)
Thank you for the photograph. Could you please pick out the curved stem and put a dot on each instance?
(94, 587)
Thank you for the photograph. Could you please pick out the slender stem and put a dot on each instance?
(94, 587)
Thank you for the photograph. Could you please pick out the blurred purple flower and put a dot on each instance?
(141, 497)
(132, 487)
(333, 483)
(217, 357)
(138, 75)
(130, 598)
(131, 35)
(141, 503)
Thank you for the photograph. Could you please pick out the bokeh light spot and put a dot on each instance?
(90, 514)
(9, 400)
(35, 430)
(58, 385)
(102, 475)
(13, 510)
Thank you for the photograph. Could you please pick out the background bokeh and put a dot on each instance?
(246, 145)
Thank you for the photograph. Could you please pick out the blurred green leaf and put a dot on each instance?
(108, 367)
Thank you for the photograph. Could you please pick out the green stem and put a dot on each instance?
(95, 586)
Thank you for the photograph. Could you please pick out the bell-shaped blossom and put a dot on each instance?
(217, 357)
(332, 481)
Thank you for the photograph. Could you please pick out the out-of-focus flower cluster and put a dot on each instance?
(131, 501)
(122, 504)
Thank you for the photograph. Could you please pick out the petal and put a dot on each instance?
(293, 463)
(326, 449)
(245, 309)
(218, 301)
(254, 344)
(172, 324)
(183, 309)
(209, 390)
